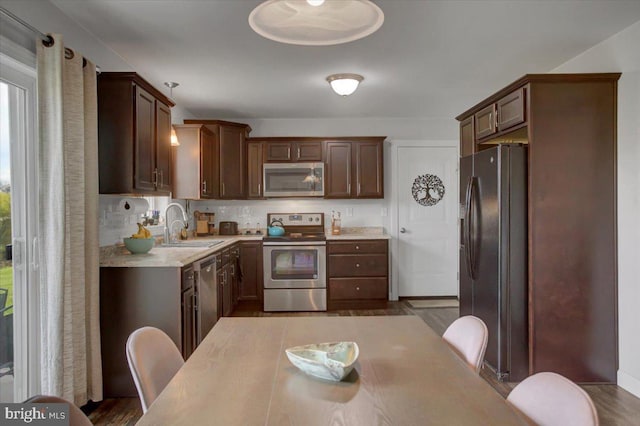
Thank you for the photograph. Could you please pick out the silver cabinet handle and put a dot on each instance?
(349, 188)
(155, 177)
(359, 192)
(259, 189)
(357, 288)
(402, 230)
(357, 247)
(298, 152)
(289, 153)
(222, 188)
(204, 186)
(357, 265)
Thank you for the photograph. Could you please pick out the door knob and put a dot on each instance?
(402, 230)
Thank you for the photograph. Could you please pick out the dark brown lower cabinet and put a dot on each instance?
(131, 298)
(358, 274)
(250, 284)
(224, 276)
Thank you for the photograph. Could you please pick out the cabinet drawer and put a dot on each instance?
(357, 288)
(358, 247)
(357, 265)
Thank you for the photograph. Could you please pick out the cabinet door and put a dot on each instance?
(308, 151)
(278, 152)
(232, 162)
(189, 329)
(144, 142)
(220, 281)
(510, 110)
(250, 286)
(188, 322)
(338, 170)
(208, 185)
(485, 121)
(227, 291)
(369, 170)
(163, 147)
(466, 137)
(254, 170)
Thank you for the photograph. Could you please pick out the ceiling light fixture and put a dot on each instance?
(344, 84)
(174, 136)
(306, 23)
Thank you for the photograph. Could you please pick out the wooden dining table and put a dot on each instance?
(405, 375)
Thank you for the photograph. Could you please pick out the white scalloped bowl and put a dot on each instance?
(330, 361)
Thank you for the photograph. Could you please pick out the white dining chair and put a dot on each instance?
(549, 399)
(468, 337)
(76, 416)
(153, 360)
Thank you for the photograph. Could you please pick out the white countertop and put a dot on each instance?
(173, 256)
(178, 257)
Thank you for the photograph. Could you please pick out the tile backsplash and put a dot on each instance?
(116, 224)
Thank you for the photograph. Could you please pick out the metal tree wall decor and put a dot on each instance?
(427, 190)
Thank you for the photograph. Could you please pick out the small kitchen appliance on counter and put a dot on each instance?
(295, 263)
(228, 228)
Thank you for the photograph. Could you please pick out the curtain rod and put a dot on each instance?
(47, 40)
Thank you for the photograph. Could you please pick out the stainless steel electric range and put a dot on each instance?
(295, 263)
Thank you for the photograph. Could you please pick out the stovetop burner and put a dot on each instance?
(297, 227)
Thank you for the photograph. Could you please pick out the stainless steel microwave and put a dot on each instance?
(293, 179)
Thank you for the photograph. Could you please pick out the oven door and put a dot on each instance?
(294, 265)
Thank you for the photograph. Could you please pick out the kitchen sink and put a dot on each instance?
(192, 244)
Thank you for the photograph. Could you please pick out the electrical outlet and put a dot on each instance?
(349, 211)
(384, 212)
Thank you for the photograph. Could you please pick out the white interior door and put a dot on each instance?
(427, 227)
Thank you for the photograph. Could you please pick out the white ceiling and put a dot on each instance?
(429, 58)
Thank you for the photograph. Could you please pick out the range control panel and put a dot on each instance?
(296, 219)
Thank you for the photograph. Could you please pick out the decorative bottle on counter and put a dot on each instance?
(335, 223)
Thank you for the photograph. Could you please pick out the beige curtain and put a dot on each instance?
(71, 364)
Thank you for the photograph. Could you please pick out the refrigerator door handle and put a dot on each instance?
(467, 227)
(473, 226)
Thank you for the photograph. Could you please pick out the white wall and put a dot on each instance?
(621, 53)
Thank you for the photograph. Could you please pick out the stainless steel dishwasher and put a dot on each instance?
(206, 296)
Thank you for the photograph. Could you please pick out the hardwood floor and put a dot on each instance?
(616, 407)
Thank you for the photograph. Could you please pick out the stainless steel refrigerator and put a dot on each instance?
(493, 253)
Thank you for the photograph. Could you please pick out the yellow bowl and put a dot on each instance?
(139, 245)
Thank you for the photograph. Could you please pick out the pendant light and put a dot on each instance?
(174, 136)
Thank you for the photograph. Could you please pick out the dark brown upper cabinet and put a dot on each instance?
(354, 168)
(134, 136)
(231, 156)
(254, 169)
(466, 137)
(501, 116)
(194, 163)
(293, 151)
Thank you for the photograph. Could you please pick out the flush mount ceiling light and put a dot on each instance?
(174, 136)
(316, 22)
(344, 84)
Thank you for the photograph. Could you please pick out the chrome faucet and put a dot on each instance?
(167, 226)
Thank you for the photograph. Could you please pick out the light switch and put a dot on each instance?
(384, 212)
